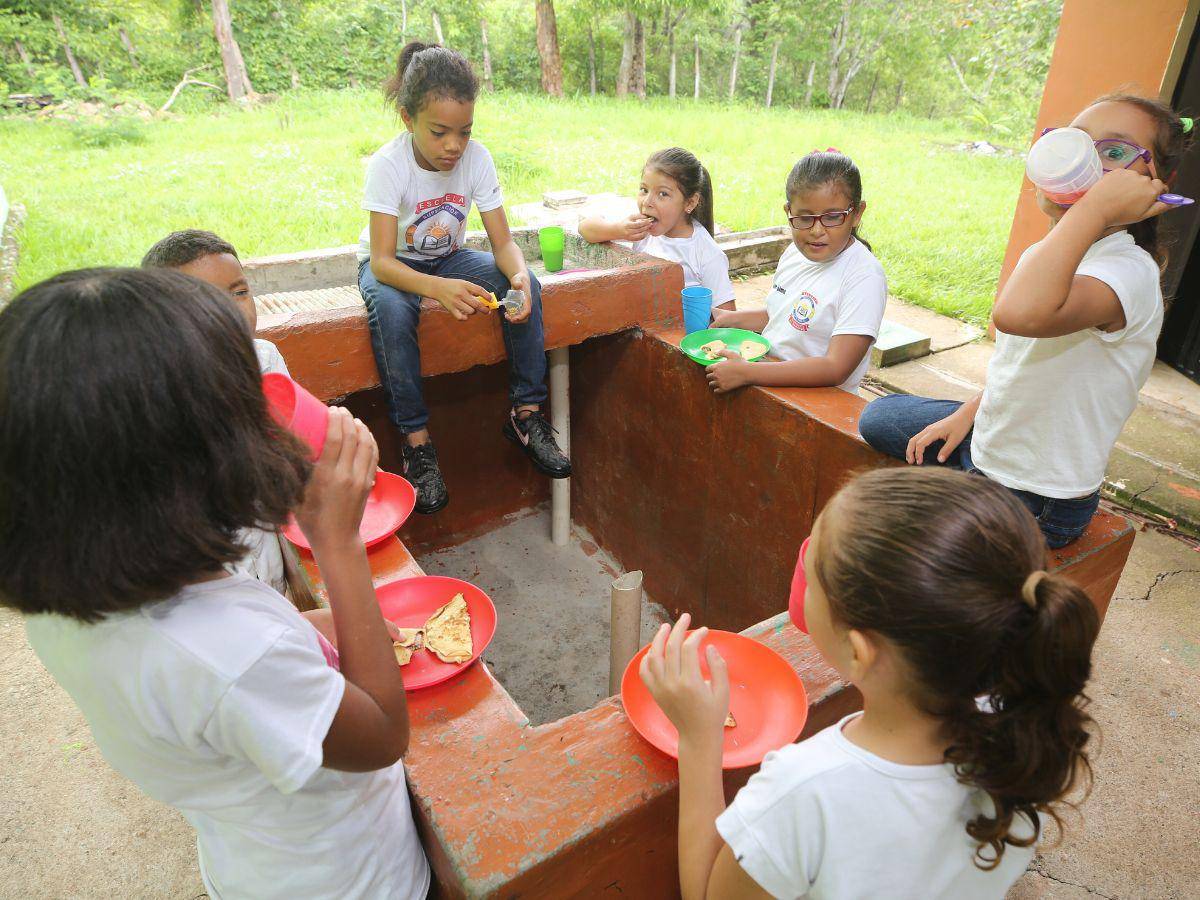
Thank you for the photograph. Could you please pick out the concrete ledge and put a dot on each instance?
(754, 249)
(11, 219)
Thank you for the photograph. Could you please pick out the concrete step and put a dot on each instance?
(305, 301)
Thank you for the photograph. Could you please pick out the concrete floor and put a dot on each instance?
(551, 646)
(71, 827)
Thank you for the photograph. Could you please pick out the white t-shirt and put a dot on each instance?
(217, 702)
(1052, 408)
(810, 303)
(826, 819)
(264, 558)
(432, 206)
(704, 262)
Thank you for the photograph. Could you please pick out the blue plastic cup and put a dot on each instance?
(697, 308)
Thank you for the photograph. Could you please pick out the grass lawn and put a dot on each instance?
(288, 176)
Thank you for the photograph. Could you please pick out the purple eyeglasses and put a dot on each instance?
(1115, 153)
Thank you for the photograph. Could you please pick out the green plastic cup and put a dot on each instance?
(552, 240)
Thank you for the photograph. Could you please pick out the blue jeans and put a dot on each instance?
(392, 317)
(889, 423)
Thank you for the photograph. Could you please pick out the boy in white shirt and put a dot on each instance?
(829, 292)
(206, 256)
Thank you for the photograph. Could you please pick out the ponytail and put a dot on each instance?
(947, 567)
(693, 179)
(425, 71)
(1028, 747)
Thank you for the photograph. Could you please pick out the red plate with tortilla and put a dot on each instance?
(409, 602)
(389, 505)
(766, 698)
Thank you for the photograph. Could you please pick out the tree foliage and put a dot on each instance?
(979, 60)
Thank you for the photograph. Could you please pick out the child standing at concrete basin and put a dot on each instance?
(126, 479)
(674, 221)
(206, 256)
(924, 589)
(1076, 334)
(828, 294)
(419, 190)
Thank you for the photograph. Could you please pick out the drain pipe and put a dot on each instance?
(560, 418)
(625, 626)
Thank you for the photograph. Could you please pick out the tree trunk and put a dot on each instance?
(671, 48)
(871, 92)
(899, 94)
(547, 43)
(403, 19)
(808, 82)
(592, 58)
(737, 54)
(638, 66)
(71, 60)
(292, 71)
(128, 45)
(771, 76)
(626, 68)
(437, 29)
(487, 57)
(696, 69)
(237, 82)
(24, 54)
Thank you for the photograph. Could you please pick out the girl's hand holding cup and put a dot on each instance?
(1123, 197)
(343, 476)
(671, 671)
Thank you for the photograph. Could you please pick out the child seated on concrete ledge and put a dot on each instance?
(1076, 334)
(829, 292)
(203, 255)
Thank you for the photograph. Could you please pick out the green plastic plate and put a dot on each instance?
(732, 337)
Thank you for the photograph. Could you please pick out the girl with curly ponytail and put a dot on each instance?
(924, 588)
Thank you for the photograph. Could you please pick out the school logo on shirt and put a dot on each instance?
(803, 311)
(435, 229)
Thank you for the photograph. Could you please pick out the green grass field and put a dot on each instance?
(288, 176)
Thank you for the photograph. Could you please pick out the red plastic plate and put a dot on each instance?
(766, 696)
(409, 602)
(389, 505)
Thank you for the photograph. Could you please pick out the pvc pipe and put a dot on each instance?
(625, 626)
(560, 418)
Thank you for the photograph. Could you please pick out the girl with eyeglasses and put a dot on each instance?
(1076, 335)
(829, 291)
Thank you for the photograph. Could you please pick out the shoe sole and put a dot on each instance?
(549, 473)
(430, 510)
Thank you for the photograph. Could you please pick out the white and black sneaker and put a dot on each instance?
(533, 433)
(421, 470)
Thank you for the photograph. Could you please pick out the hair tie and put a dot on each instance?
(836, 150)
(1186, 123)
(1029, 588)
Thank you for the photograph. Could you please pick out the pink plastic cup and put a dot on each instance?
(297, 410)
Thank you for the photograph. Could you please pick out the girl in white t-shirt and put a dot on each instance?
(419, 191)
(923, 588)
(828, 294)
(126, 482)
(1076, 335)
(674, 221)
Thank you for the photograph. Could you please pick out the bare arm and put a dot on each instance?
(845, 353)
(1044, 297)
(750, 319)
(370, 728)
(595, 230)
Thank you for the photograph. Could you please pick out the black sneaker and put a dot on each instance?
(421, 470)
(536, 435)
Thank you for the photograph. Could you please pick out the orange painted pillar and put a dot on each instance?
(1102, 47)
